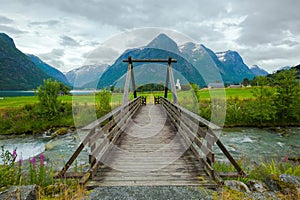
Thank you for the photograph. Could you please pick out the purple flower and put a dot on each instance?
(20, 162)
(14, 154)
(42, 159)
(33, 161)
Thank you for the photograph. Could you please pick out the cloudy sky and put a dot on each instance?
(63, 32)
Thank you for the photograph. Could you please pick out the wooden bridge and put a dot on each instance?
(161, 144)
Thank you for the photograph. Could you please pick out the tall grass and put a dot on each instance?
(36, 171)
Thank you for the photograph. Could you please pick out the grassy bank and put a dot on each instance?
(20, 115)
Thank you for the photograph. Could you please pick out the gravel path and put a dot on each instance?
(152, 192)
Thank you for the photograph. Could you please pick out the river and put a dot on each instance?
(251, 144)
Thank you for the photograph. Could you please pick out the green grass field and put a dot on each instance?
(241, 93)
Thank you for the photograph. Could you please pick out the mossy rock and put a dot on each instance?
(54, 189)
(284, 183)
(61, 131)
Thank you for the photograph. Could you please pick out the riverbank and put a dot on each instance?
(243, 144)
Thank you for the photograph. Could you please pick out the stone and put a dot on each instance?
(272, 182)
(289, 179)
(237, 185)
(263, 196)
(256, 186)
(26, 192)
(286, 184)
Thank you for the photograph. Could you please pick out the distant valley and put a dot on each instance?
(196, 63)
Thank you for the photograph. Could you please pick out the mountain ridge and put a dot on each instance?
(18, 72)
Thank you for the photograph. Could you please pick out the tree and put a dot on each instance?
(47, 95)
(246, 82)
(263, 95)
(287, 95)
(64, 89)
(104, 106)
(185, 87)
(195, 88)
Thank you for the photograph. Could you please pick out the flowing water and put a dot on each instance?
(257, 145)
(251, 144)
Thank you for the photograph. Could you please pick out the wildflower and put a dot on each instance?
(14, 154)
(42, 159)
(33, 161)
(285, 159)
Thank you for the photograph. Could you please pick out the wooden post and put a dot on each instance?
(173, 88)
(167, 83)
(127, 83)
(132, 77)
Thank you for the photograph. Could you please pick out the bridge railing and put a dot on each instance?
(102, 134)
(199, 134)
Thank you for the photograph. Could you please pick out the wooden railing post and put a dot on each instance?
(188, 120)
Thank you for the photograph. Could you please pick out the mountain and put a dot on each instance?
(162, 41)
(119, 68)
(235, 66)
(284, 68)
(196, 63)
(86, 76)
(18, 72)
(205, 61)
(257, 71)
(51, 71)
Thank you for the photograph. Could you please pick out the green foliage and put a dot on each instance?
(260, 172)
(151, 87)
(287, 96)
(47, 95)
(265, 104)
(28, 120)
(104, 106)
(185, 87)
(195, 89)
(246, 82)
(9, 175)
(37, 172)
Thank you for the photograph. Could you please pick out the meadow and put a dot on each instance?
(243, 108)
(241, 93)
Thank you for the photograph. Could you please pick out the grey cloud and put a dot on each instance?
(5, 20)
(54, 54)
(269, 21)
(54, 58)
(9, 29)
(68, 41)
(46, 23)
(101, 55)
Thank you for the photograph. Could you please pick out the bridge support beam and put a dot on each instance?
(171, 77)
(130, 75)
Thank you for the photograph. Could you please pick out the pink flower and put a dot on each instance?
(33, 161)
(285, 159)
(20, 161)
(42, 159)
(14, 154)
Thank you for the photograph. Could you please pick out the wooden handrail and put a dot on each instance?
(183, 118)
(132, 106)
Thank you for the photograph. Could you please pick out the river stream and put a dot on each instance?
(251, 144)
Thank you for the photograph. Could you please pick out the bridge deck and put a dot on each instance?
(150, 152)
